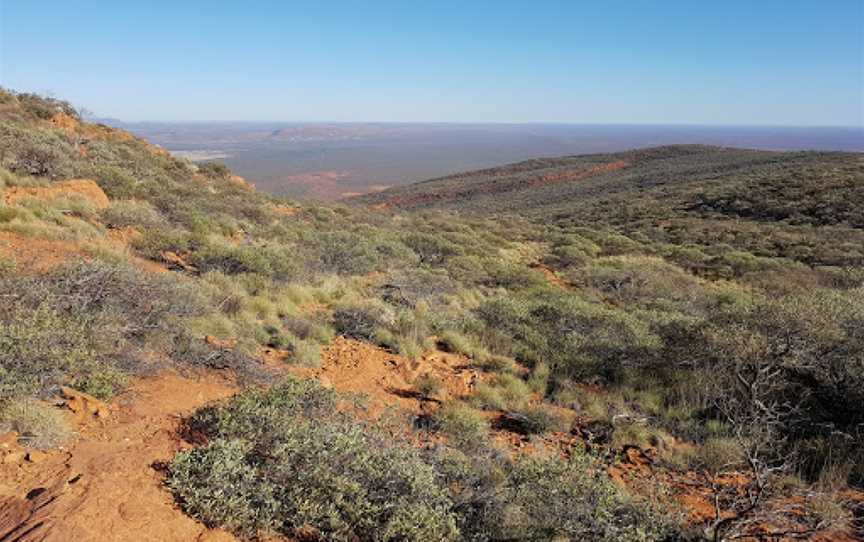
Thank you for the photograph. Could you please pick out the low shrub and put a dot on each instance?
(532, 420)
(488, 397)
(558, 499)
(38, 152)
(720, 454)
(257, 413)
(283, 460)
(453, 341)
(41, 346)
(544, 498)
(78, 324)
(359, 321)
(131, 213)
(275, 469)
(38, 425)
(462, 425)
(427, 385)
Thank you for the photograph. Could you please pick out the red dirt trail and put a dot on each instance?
(106, 485)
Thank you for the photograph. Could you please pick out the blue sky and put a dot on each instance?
(756, 62)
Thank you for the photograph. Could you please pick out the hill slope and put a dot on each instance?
(808, 206)
(642, 346)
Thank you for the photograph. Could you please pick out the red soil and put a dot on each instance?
(551, 277)
(326, 184)
(84, 188)
(33, 255)
(388, 379)
(492, 188)
(577, 174)
(106, 485)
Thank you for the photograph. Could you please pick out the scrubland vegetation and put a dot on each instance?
(700, 295)
(285, 460)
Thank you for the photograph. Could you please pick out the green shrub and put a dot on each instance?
(463, 427)
(256, 413)
(488, 397)
(427, 385)
(574, 251)
(7, 265)
(41, 347)
(218, 485)
(282, 460)
(718, 454)
(432, 249)
(344, 252)
(306, 353)
(37, 424)
(495, 363)
(559, 499)
(214, 170)
(532, 420)
(44, 107)
(359, 321)
(131, 213)
(452, 341)
(81, 324)
(37, 152)
(577, 339)
(346, 481)
(538, 498)
(514, 389)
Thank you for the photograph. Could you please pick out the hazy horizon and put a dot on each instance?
(332, 160)
(289, 122)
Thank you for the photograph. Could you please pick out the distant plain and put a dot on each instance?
(327, 161)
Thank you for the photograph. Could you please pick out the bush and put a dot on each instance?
(276, 469)
(453, 341)
(256, 413)
(218, 485)
(538, 498)
(360, 321)
(531, 421)
(463, 427)
(130, 213)
(44, 107)
(80, 324)
(488, 397)
(283, 460)
(576, 338)
(557, 498)
(37, 424)
(432, 249)
(214, 170)
(345, 253)
(41, 347)
(720, 454)
(427, 385)
(38, 152)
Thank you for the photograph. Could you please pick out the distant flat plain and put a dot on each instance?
(333, 160)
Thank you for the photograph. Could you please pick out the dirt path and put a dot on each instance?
(107, 486)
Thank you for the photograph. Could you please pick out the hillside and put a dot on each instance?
(804, 205)
(664, 344)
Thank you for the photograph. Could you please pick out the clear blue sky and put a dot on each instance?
(706, 62)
